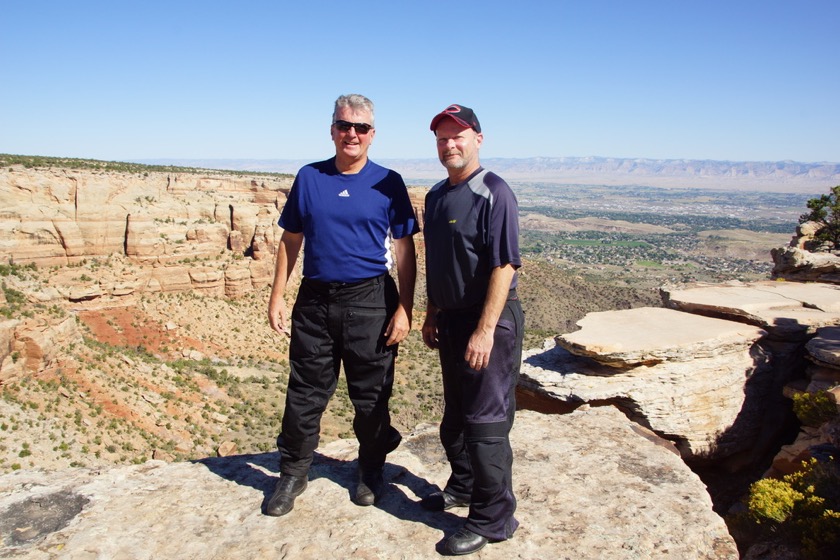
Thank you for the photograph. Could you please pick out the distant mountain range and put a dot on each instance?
(779, 176)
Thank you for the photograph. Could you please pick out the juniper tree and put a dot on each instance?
(825, 211)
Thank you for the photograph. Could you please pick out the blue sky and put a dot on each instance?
(727, 80)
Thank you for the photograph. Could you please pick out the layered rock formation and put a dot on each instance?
(786, 310)
(708, 373)
(714, 374)
(59, 217)
(681, 375)
(806, 259)
(162, 224)
(590, 486)
(794, 263)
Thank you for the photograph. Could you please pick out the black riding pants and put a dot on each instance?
(478, 416)
(335, 324)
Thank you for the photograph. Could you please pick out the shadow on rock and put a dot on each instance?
(256, 470)
(401, 498)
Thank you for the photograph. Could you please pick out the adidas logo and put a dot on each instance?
(344, 193)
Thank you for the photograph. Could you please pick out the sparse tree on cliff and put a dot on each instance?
(825, 212)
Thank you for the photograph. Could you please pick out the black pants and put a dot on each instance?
(334, 324)
(478, 416)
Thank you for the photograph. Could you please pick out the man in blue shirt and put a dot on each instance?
(474, 319)
(348, 310)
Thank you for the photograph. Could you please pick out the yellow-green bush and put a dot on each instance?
(814, 409)
(772, 500)
(805, 506)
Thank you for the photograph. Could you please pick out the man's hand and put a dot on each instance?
(278, 317)
(398, 327)
(481, 342)
(479, 348)
(430, 332)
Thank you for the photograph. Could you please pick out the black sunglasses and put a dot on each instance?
(345, 126)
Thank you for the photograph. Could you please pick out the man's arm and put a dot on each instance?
(287, 254)
(481, 341)
(400, 324)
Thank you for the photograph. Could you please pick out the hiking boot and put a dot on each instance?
(369, 488)
(443, 500)
(283, 500)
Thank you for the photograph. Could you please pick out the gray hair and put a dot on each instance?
(355, 102)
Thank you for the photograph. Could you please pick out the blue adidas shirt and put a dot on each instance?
(346, 220)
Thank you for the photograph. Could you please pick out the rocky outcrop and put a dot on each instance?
(794, 263)
(28, 346)
(708, 374)
(805, 237)
(681, 375)
(823, 354)
(806, 259)
(650, 336)
(611, 492)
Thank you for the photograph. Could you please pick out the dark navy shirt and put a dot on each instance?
(469, 229)
(346, 220)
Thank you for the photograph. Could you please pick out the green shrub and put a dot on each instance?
(814, 409)
(772, 500)
(803, 506)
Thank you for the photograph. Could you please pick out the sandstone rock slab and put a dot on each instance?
(589, 487)
(825, 346)
(700, 405)
(649, 335)
(784, 309)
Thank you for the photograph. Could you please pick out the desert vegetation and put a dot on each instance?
(825, 215)
(175, 375)
(800, 510)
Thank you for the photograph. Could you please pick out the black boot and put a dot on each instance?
(283, 500)
(370, 488)
(465, 542)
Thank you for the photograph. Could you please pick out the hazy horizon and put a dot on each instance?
(720, 81)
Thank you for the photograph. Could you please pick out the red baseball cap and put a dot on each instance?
(464, 116)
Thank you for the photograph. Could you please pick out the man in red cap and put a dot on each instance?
(474, 319)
